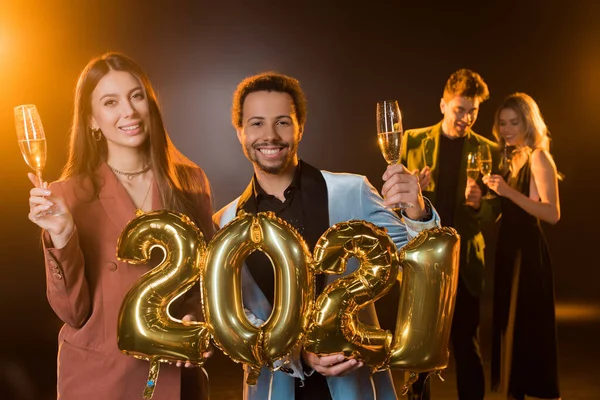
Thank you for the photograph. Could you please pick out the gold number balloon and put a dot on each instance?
(335, 326)
(222, 292)
(426, 305)
(428, 288)
(146, 330)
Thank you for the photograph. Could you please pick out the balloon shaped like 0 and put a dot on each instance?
(222, 290)
(146, 330)
(335, 326)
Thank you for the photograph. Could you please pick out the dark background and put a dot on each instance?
(346, 58)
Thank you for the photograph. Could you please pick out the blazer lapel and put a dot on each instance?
(430, 146)
(315, 207)
(114, 198)
(315, 204)
(429, 149)
(247, 201)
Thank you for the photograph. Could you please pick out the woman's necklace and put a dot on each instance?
(139, 211)
(130, 175)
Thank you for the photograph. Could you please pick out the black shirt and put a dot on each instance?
(305, 208)
(291, 211)
(449, 160)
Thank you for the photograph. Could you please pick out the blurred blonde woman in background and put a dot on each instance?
(524, 358)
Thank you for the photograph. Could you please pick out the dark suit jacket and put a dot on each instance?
(419, 148)
(86, 285)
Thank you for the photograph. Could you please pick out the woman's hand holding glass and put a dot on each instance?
(497, 184)
(484, 155)
(32, 143)
(60, 226)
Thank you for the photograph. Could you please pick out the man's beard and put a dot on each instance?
(272, 169)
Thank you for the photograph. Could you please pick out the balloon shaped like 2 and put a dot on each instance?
(146, 330)
(335, 326)
(222, 290)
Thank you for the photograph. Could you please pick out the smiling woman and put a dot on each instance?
(120, 112)
(524, 353)
(120, 159)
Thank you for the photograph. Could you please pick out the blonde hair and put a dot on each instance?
(536, 131)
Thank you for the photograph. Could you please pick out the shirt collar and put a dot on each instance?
(259, 192)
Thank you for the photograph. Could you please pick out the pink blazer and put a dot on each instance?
(85, 287)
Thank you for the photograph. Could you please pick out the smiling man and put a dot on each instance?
(269, 113)
(440, 153)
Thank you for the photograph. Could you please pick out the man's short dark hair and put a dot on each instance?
(466, 83)
(270, 82)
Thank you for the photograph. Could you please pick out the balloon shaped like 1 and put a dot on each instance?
(426, 305)
(146, 330)
(335, 326)
(222, 290)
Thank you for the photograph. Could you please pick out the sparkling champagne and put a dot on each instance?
(34, 153)
(472, 173)
(389, 143)
(486, 166)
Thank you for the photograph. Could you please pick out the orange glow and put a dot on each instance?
(577, 312)
(3, 42)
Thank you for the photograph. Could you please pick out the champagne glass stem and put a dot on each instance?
(38, 173)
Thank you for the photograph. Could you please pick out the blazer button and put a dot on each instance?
(57, 276)
(111, 266)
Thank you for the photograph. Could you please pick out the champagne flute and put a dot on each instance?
(32, 142)
(389, 134)
(484, 155)
(473, 166)
(505, 162)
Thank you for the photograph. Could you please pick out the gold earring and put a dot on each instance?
(96, 134)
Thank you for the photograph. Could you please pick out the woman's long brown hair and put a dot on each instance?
(183, 186)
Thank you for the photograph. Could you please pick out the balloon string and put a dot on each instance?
(412, 378)
(207, 388)
(271, 384)
(152, 377)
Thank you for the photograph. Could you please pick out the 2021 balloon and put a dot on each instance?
(331, 324)
(146, 330)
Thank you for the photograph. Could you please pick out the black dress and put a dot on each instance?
(524, 347)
